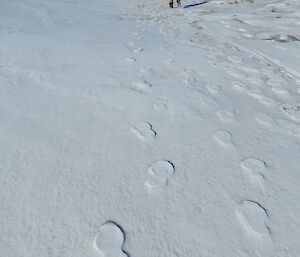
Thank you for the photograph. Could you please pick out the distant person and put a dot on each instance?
(171, 3)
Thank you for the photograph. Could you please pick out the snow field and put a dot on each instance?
(145, 132)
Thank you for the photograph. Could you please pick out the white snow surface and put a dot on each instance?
(128, 128)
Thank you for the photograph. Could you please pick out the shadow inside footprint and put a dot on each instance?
(109, 240)
(144, 130)
(159, 174)
(252, 217)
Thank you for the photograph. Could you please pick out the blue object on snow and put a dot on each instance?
(196, 4)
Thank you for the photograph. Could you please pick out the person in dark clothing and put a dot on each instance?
(171, 3)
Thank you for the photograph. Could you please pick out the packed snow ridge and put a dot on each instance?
(133, 129)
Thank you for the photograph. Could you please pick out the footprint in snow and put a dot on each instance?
(190, 75)
(224, 138)
(252, 217)
(276, 81)
(169, 61)
(240, 87)
(256, 169)
(213, 89)
(264, 119)
(144, 130)
(236, 74)
(289, 127)
(257, 94)
(211, 57)
(138, 50)
(249, 70)
(255, 81)
(207, 101)
(226, 115)
(247, 35)
(130, 59)
(292, 111)
(130, 44)
(281, 93)
(109, 240)
(137, 35)
(224, 22)
(160, 173)
(281, 125)
(234, 59)
(142, 87)
(161, 105)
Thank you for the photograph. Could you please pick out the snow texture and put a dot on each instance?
(131, 129)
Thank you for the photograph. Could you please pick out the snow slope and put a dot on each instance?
(128, 129)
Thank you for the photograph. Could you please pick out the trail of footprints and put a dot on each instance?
(160, 172)
(283, 126)
(251, 215)
(110, 239)
(264, 84)
(133, 46)
(268, 90)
